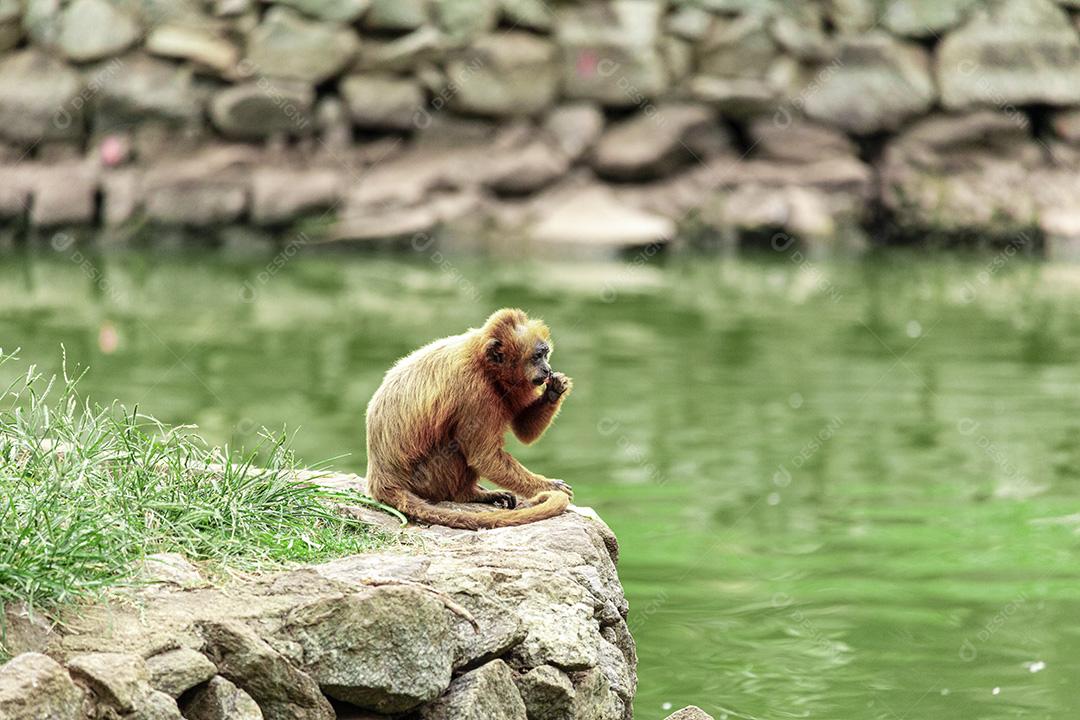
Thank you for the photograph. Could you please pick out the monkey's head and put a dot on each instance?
(517, 349)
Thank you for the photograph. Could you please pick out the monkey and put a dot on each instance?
(436, 425)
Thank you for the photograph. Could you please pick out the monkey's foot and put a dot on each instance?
(560, 486)
(505, 500)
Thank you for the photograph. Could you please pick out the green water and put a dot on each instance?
(842, 489)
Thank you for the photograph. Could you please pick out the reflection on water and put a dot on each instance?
(843, 490)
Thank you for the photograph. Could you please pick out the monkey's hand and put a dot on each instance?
(560, 486)
(557, 386)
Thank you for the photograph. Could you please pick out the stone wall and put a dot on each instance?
(520, 623)
(612, 122)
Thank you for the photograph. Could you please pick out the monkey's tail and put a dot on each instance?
(545, 505)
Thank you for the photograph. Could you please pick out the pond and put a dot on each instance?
(843, 489)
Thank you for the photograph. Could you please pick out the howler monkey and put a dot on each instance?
(436, 424)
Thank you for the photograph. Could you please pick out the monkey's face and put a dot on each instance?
(518, 349)
(537, 369)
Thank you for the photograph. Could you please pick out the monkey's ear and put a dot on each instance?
(493, 351)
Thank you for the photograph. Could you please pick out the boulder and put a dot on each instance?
(533, 14)
(281, 691)
(25, 629)
(200, 45)
(547, 692)
(575, 128)
(652, 144)
(170, 569)
(925, 18)
(383, 101)
(402, 54)
(737, 47)
(389, 649)
(96, 29)
(594, 700)
(219, 699)
(975, 171)
(63, 194)
(119, 680)
(876, 83)
(40, 98)
(174, 672)
(201, 203)
(801, 33)
(509, 73)
(690, 22)
(592, 217)
(141, 88)
(854, 16)
(397, 15)
(798, 141)
(690, 712)
(286, 45)
(1017, 52)
(1066, 125)
(463, 20)
(526, 169)
(281, 195)
(10, 24)
(342, 11)
(36, 687)
(611, 52)
(263, 108)
(487, 693)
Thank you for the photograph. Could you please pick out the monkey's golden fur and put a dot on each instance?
(436, 424)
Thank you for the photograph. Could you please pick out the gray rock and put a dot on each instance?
(382, 100)
(172, 569)
(925, 18)
(510, 73)
(535, 14)
(617, 671)
(1018, 52)
(690, 22)
(36, 687)
(402, 54)
(798, 141)
(690, 712)
(487, 693)
(11, 30)
(610, 52)
(344, 11)
(397, 14)
(547, 692)
(219, 699)
(138, 88)
(575, 128)
(174, 672)
(877, 83)
(594, 699)
(96, 29)
(156, 705)
(281, 691)
(196, 204)
(737, 47)
(980, 170)
(854, 16)
(117, 679)
(281, 195)
(389, 649)
(25, 629)
(199, 44)
(40, 98)
(652, 144)
(526, 169)
(263, 108)
(590, 217)
(463, 20)
(286, 45)
(63, 195)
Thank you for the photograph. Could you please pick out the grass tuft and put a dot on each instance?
(87, 491)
